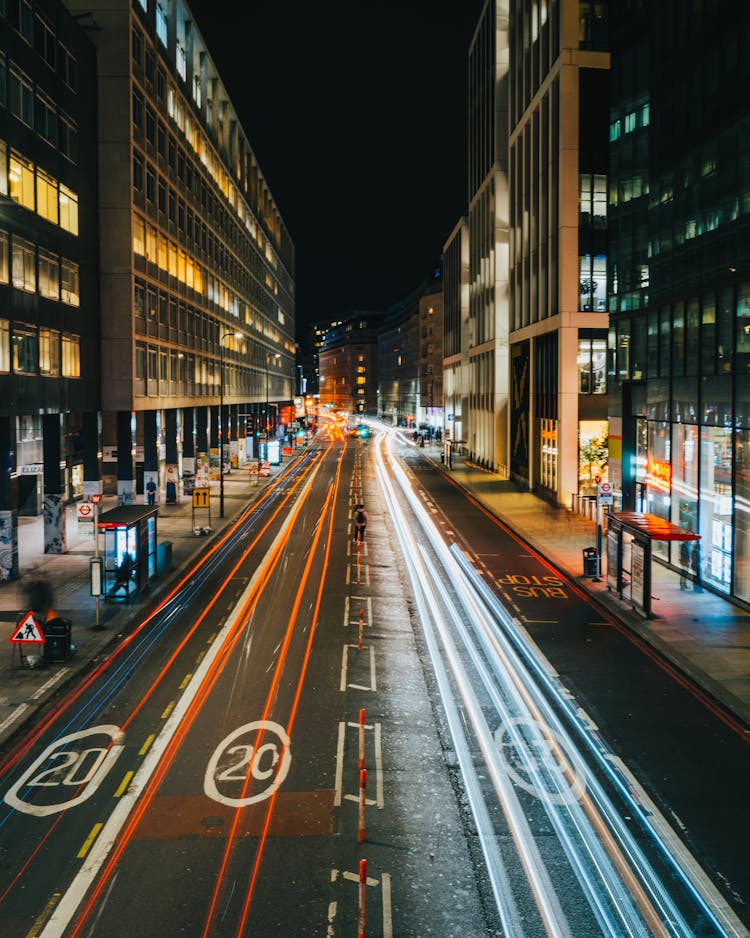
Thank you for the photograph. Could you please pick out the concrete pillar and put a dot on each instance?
(55, 533)
(8, 500)
(91, 435)
(125, 458)
(150, 453)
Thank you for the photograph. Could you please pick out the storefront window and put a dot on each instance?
(548, 454)
(742, 516)
(593, 454)
(684, 480)
(659, 477)
(716, 506)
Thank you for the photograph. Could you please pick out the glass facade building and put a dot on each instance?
(679, 277)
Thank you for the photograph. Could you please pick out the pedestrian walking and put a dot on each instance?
(685, 564)
(360, 523)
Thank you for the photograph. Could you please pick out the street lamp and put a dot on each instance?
(236, 335)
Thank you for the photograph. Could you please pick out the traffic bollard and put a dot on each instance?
(362, 786)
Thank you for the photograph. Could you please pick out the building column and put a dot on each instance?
(91, 432)
(55, 533)
(173, 454)
(213, 430)
(125, 460)
(150, 451)
(8, 501)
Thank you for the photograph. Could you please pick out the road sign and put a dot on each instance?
(28, 631)
(201, 498)
(85, 511)
(96, 498)
(265, 468)
(605, 494)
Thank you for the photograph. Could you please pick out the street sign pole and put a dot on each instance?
(96, 498)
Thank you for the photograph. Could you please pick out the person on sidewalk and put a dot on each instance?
(360, 523)
(685, 558)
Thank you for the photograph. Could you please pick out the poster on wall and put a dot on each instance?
(613, 549)
(637, 576)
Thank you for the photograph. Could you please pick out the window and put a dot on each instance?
(150, 126)
(25, 349)
(593, 282)
(46, 197)
(45, 118)
(593, 200)
(4, 346)
(44, 41)
(139, 236)
(138, 109)
(49, 352)
(67, 67)
(161, 24)
(69, 281)
(137, 48)
(137, 173)
(24, 265)
(26, 21)
(68, 209)
(4, 258)
(71, 355)
(21, 175)
(49, 275)
(592, 365)
(21, 97)
(67, 142)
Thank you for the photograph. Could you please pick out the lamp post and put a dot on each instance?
(236, 335)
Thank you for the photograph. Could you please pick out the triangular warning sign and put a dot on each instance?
(28, 631)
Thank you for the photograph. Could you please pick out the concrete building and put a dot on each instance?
(197, 267)
(485, 414)
(430, 407)
(455, 330)
(398, 363)
(348, 362)
(557, 170)
(679, 278)
(49, 301)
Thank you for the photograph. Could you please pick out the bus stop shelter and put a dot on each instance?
(630, 536)
(129, 549)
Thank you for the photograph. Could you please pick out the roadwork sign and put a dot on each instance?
(28, 632)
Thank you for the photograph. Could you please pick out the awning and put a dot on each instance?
(125, 516)
(653, 526)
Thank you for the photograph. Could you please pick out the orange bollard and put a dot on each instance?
(362, 897)
(362, 786)
(361, 626)
(361, 739)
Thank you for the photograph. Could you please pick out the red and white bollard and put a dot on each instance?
(361, 626)
(362, 897)
(362, 786)
(361, 740)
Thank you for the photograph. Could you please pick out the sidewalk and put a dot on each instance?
(25, 689)
(702, 634)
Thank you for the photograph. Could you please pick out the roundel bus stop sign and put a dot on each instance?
(604, 493)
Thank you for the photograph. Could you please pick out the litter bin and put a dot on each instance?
(590, 562)
(57, 641)
(163, 556)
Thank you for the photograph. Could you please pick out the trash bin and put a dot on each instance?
(590, 562)
(57, 641)
(163, 556)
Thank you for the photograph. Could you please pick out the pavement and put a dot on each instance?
(702, 634)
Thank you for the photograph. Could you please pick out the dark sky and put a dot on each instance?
(357, 116)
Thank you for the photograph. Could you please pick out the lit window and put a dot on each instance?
(68, 209)
(46, 197)
(161, 24)
(24, 265)
(71, 355)
(25, 350)
(4, 345)
(49, 352)
(69, 282)
(4, 258)
(21, 176)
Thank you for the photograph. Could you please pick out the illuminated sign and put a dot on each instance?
(659, 474)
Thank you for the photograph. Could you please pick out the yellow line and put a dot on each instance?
(124, 784)
(200, 657)
(38, 926)
(89, 841)
(185, 681)
(170, 708)
(210, 638)
(147, 745)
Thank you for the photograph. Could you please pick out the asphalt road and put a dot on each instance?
(206, 778)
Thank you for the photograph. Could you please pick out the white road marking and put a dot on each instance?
(339, 765)
(11, 718)
(50, 683)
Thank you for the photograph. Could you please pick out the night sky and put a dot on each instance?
(357, 116)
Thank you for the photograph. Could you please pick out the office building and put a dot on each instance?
(49, 300)
(679, 277)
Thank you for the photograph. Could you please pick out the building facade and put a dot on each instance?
(558, 115)
(679, 277)
(197, 267)
(348, 362)
(430, 410)
(455, 330)
(485, 416)
(49, 302)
